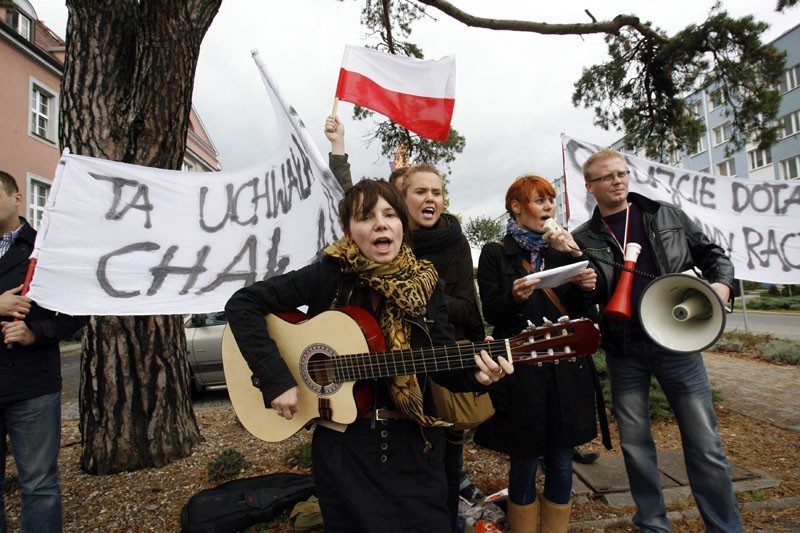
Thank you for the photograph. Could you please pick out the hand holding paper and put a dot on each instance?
(557, 276)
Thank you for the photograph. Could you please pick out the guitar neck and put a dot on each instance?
(403, 362)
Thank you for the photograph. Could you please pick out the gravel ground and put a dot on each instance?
(151, 499)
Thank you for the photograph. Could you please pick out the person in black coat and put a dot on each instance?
(542, 411)
(437, 237)
(377, 471)
(30, 374)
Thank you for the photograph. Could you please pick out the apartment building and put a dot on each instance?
(32, 59)
(779, 162)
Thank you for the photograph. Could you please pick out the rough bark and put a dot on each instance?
(126, 96)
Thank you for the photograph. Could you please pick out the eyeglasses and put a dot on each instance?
(608, 178)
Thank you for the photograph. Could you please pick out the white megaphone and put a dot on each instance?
(681, 313)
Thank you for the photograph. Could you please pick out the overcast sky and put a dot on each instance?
(513, 90)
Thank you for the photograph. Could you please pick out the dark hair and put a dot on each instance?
(8, 183)
(397, 173)
(523, 188)
(363, 196)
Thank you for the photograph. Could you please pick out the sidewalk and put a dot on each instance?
(763, 391)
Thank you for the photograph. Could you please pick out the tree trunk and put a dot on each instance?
(126, 96)
(135, 395)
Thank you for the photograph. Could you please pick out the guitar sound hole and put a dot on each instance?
(319, 369)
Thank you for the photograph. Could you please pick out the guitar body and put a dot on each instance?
(304, 347)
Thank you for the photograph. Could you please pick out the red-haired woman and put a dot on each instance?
(540, 411)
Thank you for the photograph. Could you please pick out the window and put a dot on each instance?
(790, 124)
(21, 23)
(188, 166)
(24, 26)
(44, 112)
(722, 133)
(789, 80)
(759, 158)
(727, 168)
(716, 98)
(695, 108)
(700, 146)
(37, 198)
(790, 168)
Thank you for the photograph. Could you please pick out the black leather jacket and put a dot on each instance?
(678, 245)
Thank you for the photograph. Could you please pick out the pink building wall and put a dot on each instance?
(27, 156)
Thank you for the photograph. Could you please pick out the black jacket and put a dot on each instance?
(323, 286)
(520, 401)
(450, 253)
(30, 371)
(678, 245)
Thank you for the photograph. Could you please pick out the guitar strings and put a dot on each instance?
(441, 358)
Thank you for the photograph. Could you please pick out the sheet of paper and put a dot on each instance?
(557, 276)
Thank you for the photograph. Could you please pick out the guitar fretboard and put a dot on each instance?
(354, 367)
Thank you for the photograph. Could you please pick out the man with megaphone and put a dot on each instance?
(632, 240)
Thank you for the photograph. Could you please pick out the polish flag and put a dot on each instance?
(418, 95)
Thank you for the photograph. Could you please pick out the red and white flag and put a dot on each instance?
(418, 95)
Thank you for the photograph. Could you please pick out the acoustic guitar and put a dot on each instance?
(329, 353)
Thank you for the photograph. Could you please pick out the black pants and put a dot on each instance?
(381, 479)
(452, 468)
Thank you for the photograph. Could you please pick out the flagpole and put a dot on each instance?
(335, 106)
(25, 286)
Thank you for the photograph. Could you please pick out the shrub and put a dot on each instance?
(762, 346)
(773, 290)
(226, 465)
(781, 351)
(300, 456)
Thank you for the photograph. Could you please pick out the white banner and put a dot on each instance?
(757, 222)
(119, 239)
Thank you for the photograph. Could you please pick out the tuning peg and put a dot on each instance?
(563, 319)
(546, 321)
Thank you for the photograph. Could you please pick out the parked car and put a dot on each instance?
(204, 344)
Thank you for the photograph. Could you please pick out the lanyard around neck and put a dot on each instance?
(625, 238)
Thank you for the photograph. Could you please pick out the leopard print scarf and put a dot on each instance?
(406, 284)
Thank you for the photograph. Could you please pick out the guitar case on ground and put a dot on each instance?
(237, 504)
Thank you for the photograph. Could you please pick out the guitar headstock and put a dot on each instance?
(561, 340)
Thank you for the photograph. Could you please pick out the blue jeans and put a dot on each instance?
(34, 427)
(557, 480)
(557, 461)
(685, 383)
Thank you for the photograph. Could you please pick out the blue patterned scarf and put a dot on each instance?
(530, 241)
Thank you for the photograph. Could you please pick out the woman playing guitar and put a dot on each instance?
(385, 469)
